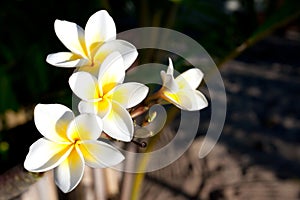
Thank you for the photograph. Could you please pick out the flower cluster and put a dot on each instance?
(106, 103)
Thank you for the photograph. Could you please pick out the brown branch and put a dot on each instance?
(15, 181)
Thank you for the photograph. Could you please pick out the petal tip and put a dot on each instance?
(170, 61)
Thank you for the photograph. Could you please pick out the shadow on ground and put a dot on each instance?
(258, 153)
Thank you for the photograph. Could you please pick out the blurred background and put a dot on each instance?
(254, 43)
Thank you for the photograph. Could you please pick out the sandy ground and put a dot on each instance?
(258, 154)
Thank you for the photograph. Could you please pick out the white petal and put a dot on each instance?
(87, 107)
(84, 85)
(111, 72)
(92, 69)
(69, 173)
(85, 127)
(100, 108)
(190, 100)
(104, 107)
(129, 94)
(52, 120)
(66, 59)
(126, 49)
(201, 100)
(170, 68)
(168, 81)
(118, 123)
(72, 36)
(44, 155)
(99, 28)
(168, 78)
(100, 154)
(181, 100)
(190, 79)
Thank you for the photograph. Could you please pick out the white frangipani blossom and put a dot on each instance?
(68, 144)
(108, 97)
(181, 91)
(89, 47)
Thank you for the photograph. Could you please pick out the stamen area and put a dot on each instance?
(77, 142)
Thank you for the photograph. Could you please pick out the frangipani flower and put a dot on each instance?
(108, 97)
(68, 144)
(181, 91)
(89, 47)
